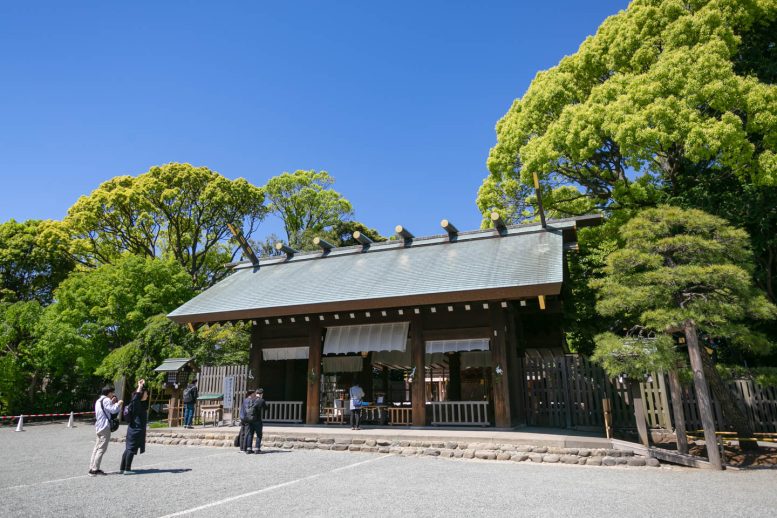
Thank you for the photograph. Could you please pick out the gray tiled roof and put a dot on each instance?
(476, 262)
(173, 364)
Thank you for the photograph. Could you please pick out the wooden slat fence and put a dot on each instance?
(567, 391)
(283, 412)
(459, 413)
(211, 381)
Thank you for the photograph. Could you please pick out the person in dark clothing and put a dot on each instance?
(137, 415)
(190, 395)
(244, 420)
(254, 413)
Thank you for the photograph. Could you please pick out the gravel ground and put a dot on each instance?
(43, 473)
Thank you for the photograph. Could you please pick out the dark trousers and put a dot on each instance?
(356, 416)
(126, 460)
(243, 435)
(254, 427)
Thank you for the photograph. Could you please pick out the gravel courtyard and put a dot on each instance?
(43, 473)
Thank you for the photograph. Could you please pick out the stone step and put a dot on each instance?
(450, 449)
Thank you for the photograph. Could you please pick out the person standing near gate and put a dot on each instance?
(137, 414)
(254, 414)
(244, 421)
(190, 395)
(106, 404)
(357, 394)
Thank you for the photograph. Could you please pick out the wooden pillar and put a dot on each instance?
(287, 388)
(677, 410)
(702, 395)
(386, 389)
(313, 376)
(499, 362)
(254, 359)
(639, 412)
(517, 376)
(418, 353)
(366, 378)
(454, 382)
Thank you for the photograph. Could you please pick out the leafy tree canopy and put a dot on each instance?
(173, 211)
(31, 266)
(161, 338)
(99, 310)
(677, 265)
(662, 87)
(306, 203)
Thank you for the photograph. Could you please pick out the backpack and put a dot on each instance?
(188, 394)
(254, 411)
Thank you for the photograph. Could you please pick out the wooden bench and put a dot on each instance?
(211, 413)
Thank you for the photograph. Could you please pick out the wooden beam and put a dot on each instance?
(241, 240)
(541, 300)
(677, 410)
(499, 223)
(289, 251)
(639, 412)
(326, 246)
(538, 191)
(499, 362)
(702, 395)
(450, 229)
(313, 411)
(404, 233)
(418, 354)
(361, 238)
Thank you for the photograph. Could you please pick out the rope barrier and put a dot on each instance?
(12, 417)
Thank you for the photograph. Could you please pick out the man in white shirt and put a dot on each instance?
(107, 404)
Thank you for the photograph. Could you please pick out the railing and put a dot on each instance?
(283, 412)
(459, 412)
(400, 415)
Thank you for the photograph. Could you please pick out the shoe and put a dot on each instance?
(128, 472)
(258, 452)
(92, 473)
(99, 472)
(249, 452)
(358, 427)
(352, 428)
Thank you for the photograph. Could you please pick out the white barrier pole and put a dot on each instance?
(70, 421)
(20, 426)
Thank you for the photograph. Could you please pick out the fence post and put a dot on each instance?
(566, 393)
(677, 410)
(702, 395)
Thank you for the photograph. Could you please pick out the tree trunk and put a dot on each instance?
(733, 415)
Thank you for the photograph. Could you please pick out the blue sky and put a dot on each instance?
(397, 100)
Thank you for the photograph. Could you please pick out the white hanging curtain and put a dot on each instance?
(370, 337)
(285, 353)
(453, 346)
(332, 364)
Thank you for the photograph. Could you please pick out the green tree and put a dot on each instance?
(161, 338)
(97, 311)
(683, 270)
(175, 210)
(661, 87)
(306, 203)
(31, 266)
(20, 371)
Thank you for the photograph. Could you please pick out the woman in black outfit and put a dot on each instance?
(137, 414)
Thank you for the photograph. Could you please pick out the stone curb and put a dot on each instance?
(455, 450)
